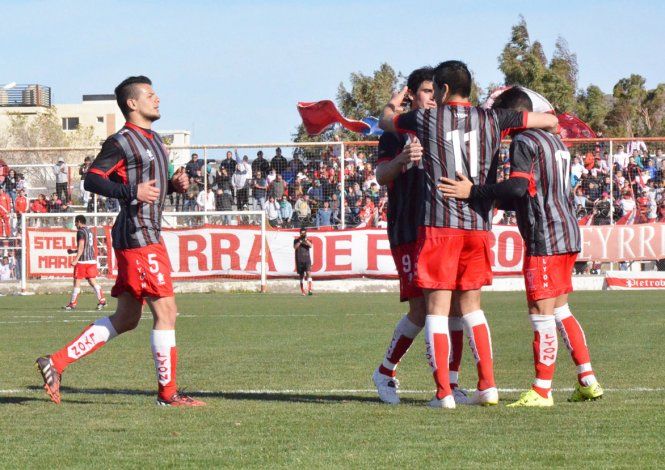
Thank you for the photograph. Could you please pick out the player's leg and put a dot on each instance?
(101, 300)
(456, 328)
(93, 337)
(76, 290)
(545, 348)
(405, 332)
(575, 340)
(301, 276)
(165, 353)
(308, 273)
(437, 344)
(477, 330)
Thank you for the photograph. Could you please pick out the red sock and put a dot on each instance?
(545, 345)
(574, 339)
(404, 334)
(438, 349)
(478, 332)
(165, 354)
(92, 338)
(456, 328)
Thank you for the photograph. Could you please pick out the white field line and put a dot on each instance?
(55, 319)
(333, 391)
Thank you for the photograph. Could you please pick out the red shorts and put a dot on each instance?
(453, 259)
(405, 257)
(85, 271)
(547, 277)
(143, 272)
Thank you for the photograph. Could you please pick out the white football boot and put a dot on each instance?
(386, 387)
(487, 397)
(447, 402)
(460, 396)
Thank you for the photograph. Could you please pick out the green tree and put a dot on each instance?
(625, 118)
(593, 107)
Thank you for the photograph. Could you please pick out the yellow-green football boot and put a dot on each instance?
(531, 398)
(582, 393)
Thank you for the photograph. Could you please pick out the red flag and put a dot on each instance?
(573, 127)
(586, 220)
(320, 115)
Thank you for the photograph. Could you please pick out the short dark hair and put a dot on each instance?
(456, 75)
(514, 98)
(80, 219)
(126, 90)
(418, 76)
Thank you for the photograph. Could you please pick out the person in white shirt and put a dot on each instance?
(240, 180)
(577, 169)
(206, 200)
(621, 158)
(272, 212)
(627, 203)
(5, 269)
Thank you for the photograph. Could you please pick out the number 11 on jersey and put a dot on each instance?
(472, 154)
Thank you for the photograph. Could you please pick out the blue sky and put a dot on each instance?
(232, 71)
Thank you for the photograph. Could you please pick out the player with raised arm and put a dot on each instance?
(399, 168)
(84, 263)
(301, 247)
(453, 239)
(539, 187)
(133, 168)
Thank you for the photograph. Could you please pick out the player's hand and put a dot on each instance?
(71, 251)
(147, 192)
(180, 180)
(74, 262)
(460, 189)
(397, 99)
(412, 153)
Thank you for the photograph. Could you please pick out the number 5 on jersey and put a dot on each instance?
(472, 154)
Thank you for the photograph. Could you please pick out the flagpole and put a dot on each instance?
(342, 181)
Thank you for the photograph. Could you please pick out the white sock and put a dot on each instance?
(162, 341)
(98, 292)
(75, 294)
(470, 320)
(435, 324)
(406, 328)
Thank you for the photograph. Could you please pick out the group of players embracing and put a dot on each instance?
(439, 161)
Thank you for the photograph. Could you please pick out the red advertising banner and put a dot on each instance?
(626, 280)
(228, 251)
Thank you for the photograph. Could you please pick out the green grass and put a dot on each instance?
(304, 353)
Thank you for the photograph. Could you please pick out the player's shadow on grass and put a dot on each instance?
(242, 396)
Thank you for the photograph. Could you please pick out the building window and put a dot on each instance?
(70, 124)
(100, 118)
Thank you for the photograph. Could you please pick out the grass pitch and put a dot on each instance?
(287, 381)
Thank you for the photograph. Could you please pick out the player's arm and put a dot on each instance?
(391, 119)
(516, 186)
(179, 182)
(510, 119)
(105, 167)
(390, 164)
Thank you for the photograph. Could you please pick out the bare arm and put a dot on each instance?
(393, 107)
(546, 121)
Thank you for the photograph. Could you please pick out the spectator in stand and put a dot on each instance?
(597, 169)
(576, 171)
(637, 159)
(303, 211)
(271, 176)
(229, 163)
(633, 174)
(278, 187)
(260, 164)
(602, 209)
(61, 179)
(10, 184)
(621, 158)
(39, 205)
(374, 192)
(83, 170)
(260, 190)
(642, 205)
(324, 215)
(112, 205)
(224, 201)
(191, 195)
(650, 169)
(367, 212)
(20, 183)
(272, 212)
(241, 182)
(193, 167)
(21, 203)
(6, 273)
(334, 203)
(55, 203)
(278, 162)
(315, 192)
(285, 211)
(627, 203)
(296, 165)
(5, 210)
(206, 200)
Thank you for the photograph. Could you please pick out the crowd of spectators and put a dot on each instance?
(628, 186)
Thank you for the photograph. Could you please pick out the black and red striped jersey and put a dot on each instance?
(546, 214)
(458, 137)
(405, 193)
(132, 156)
(88, 255)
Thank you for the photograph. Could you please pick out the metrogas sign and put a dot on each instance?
(227, 251)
